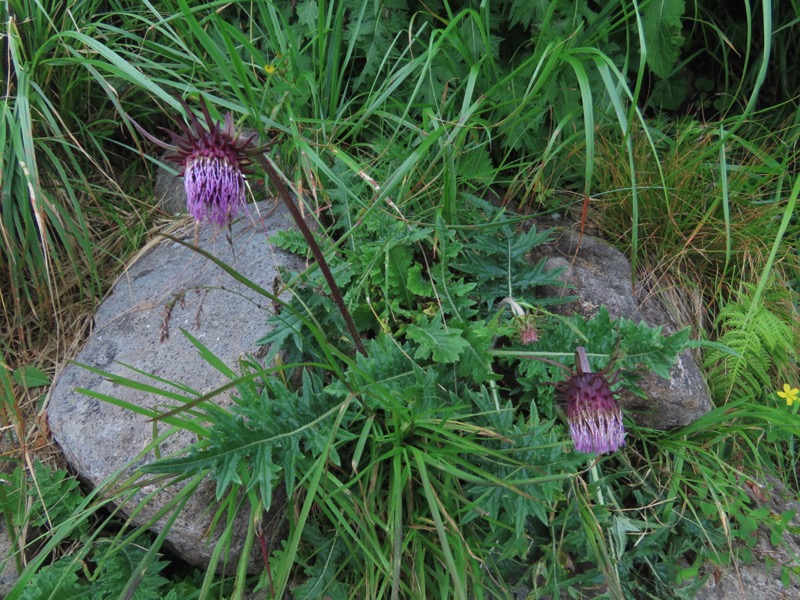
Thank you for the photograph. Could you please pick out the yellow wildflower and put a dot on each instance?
(270, 69)
(790, 394)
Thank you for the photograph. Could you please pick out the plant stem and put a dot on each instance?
(283, 193)
(582, 361)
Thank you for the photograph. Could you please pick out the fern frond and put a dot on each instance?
(744, 374)
(762, 340)
(775, 334)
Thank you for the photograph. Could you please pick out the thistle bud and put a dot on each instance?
(525, 326)
(524, 323)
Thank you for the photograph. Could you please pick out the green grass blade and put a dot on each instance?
(457, 575)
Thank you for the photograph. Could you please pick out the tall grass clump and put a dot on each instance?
(707, 212)
(66, 225)
(67, 219)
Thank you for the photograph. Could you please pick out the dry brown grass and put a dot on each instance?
(689, 250)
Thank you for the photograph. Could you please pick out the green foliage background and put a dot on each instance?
(437, 465)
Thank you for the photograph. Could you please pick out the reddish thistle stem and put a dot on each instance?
(283, 193)
(582, 361)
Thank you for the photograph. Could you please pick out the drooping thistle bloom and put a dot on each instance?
(593, 413)
(214, 160)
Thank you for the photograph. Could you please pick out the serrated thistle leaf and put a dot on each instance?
(117, 569)
(476, 363)
(290, 240)
(647, 346)
(307, 13)
(436, 339)
(57, 580)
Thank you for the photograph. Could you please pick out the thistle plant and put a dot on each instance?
(214, 161)
(593, 413)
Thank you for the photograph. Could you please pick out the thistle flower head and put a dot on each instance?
(593, 413)
(214, 160)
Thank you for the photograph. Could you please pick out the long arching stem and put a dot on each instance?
(283, 193)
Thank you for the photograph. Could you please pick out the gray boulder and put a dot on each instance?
(169, 191)
(171, 287)
(600, 275)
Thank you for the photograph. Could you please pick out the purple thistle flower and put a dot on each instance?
(214, 185)
(593, 413)
(214, 160)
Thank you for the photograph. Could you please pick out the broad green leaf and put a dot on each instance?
(661, 22)
(669, 94)
(417, 283)
(436, 339)
(30, 377)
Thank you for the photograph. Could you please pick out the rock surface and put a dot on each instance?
(600, 275)
(170, 191)
(8, 565)
(100, 438)
(744, 582)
